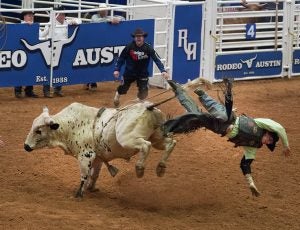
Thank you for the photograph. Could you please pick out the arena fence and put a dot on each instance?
(193, 39)
(251, 44)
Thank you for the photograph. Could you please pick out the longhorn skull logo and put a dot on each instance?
(249, 62)
(45, 48)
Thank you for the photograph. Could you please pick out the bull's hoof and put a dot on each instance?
(113, 170)
(139, 170)
(79, 194)
(160, 169)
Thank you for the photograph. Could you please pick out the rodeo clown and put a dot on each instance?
(243, 130)
(136, 56)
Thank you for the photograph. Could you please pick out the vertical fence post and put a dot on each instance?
(287, 46)
(52, 28)
(79, 8)
(209, 43)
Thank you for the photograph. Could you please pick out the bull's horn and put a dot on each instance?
(45, 109)
(48, 119)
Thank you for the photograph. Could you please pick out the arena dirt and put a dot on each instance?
(203, 187)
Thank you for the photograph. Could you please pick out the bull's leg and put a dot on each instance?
(95, 170)
(163, 143)
(169, 146)
(144, 149)
(85, 161)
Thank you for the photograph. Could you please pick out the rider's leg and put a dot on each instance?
(185, 100)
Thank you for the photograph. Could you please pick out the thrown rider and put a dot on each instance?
(242, 130)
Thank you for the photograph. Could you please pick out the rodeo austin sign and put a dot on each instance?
(248, 64)
(88, 55)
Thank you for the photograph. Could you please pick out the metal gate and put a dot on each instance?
(245, 44)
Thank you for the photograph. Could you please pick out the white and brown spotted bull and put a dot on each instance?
(97, 136)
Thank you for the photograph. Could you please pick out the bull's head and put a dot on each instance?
(41, 131)
(253, 6)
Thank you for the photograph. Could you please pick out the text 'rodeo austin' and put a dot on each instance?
(239, 65)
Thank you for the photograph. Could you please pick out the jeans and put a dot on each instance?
(214, 108)
(215, 120)
(187, 102)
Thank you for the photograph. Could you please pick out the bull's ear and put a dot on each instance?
(54, 126)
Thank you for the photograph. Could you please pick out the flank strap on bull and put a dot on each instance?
(100, 111)
(112, 169)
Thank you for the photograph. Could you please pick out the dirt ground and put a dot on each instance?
(203, 187)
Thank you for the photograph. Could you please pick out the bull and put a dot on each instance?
(246, 7)
(96, 136)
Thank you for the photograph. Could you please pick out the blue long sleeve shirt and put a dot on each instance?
(136, 60)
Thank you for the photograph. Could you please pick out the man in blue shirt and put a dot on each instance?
(136, 57)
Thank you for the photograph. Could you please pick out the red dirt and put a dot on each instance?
(203, 187)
